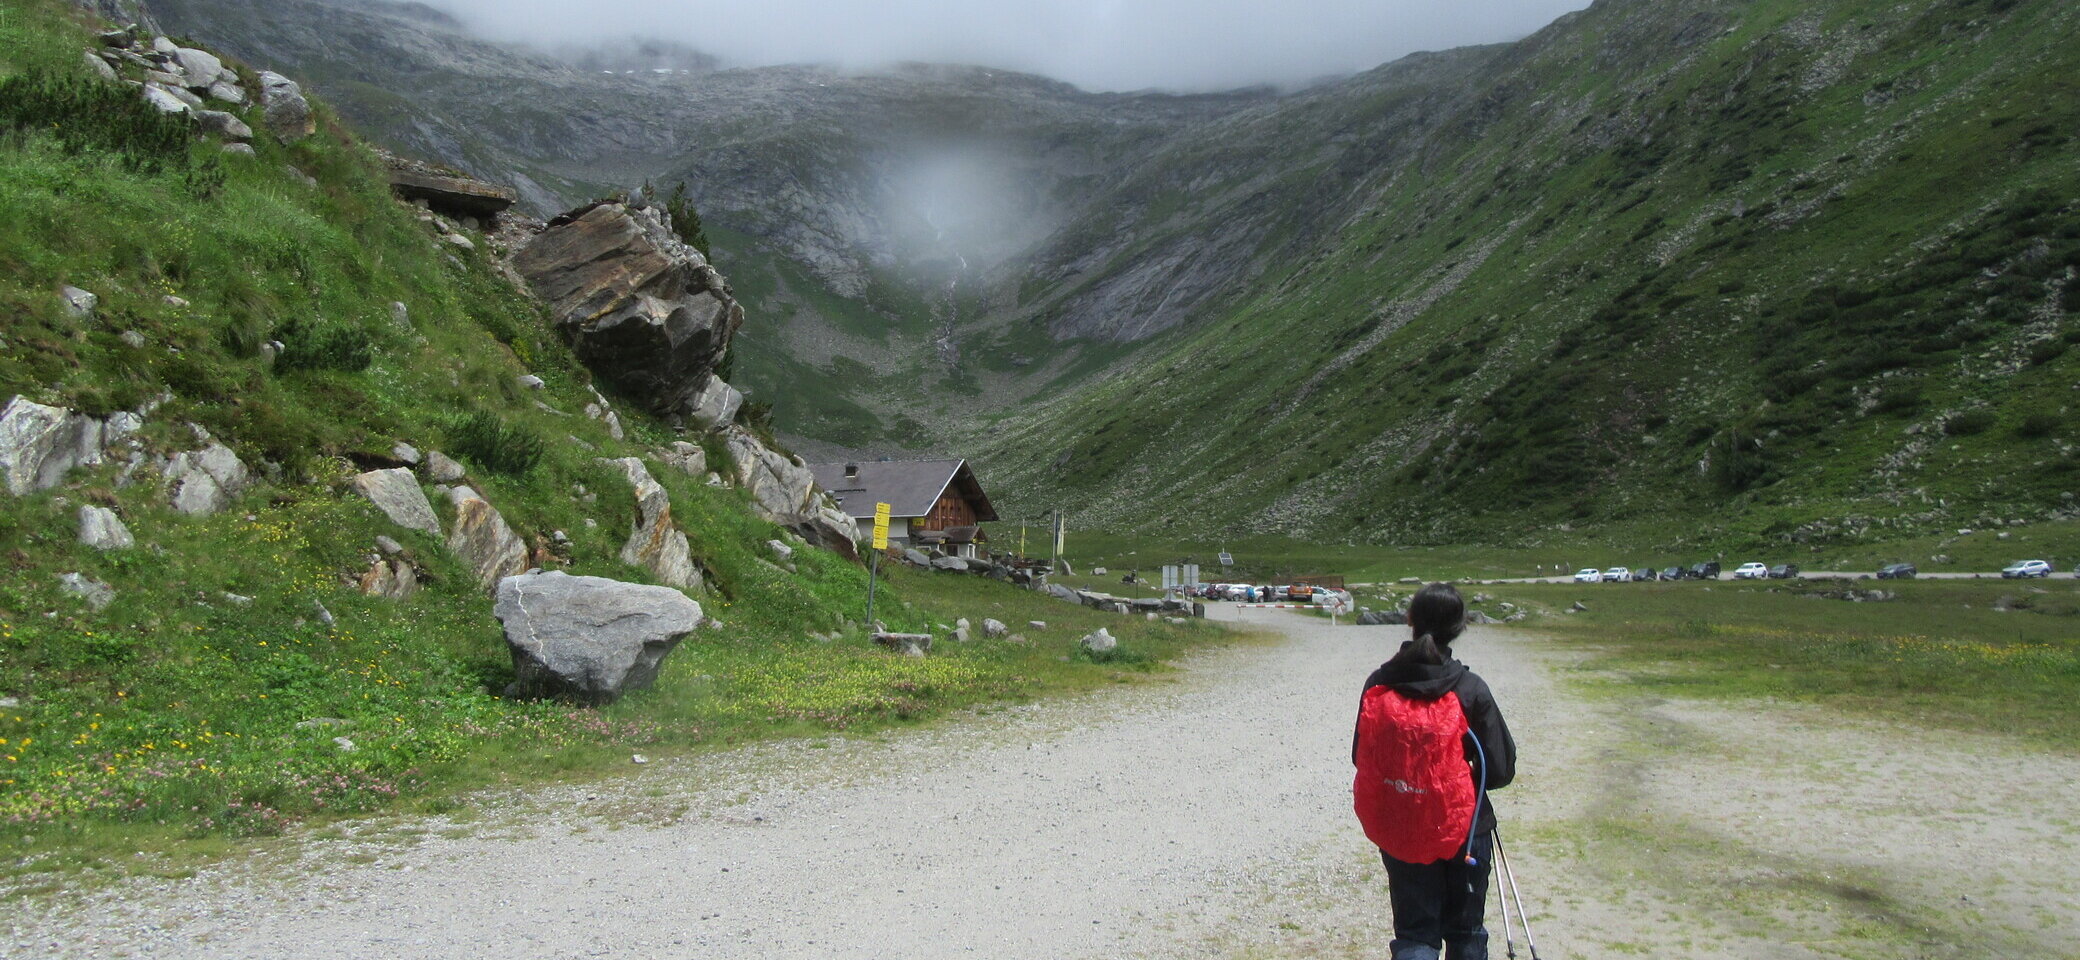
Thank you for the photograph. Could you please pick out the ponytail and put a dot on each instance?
(1424, 649)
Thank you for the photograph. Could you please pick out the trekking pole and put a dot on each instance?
(1509, 937)
(1502, 861)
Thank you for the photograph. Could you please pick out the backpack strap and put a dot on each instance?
(1480, 796)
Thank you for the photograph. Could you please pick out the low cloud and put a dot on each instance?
(1095, 44)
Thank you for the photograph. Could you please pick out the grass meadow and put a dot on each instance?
(1974, 655)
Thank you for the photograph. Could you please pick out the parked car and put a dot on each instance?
(1645, 574)
(1750, 571)
(1588, 575)
(1897, 571)
(1325, 597)
(1783, 571)
(1617, 575)
(1708, 570)
(2025, 568)
(1672, 573)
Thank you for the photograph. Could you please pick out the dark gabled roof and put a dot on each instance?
(909, 487)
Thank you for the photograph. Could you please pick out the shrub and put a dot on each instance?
(2036, 425)
(1968, 423)
(2046, 352)
(496, 445)
(90, 116)
(322, 345)
(1738, 462)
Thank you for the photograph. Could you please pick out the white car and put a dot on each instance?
(1588, 575)
(2025, 568)
(1751, 571)
(1617, 575)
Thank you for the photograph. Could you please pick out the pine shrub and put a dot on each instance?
(498, 446)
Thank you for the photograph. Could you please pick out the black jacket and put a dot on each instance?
(1422, 681)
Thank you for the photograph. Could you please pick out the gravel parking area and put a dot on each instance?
(1205, 814)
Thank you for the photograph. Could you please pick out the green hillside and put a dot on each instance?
(251, 299)
(1683, 271)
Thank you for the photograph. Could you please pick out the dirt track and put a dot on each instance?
(1202, 817)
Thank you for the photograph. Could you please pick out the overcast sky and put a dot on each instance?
(1095, 44)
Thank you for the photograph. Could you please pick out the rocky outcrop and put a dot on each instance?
(588, 639)
(1382, 618)
(645, 311)
(481, 539)
(207, 480)
(655, 542)
(396, 492)
(39, 445)
(784, 492)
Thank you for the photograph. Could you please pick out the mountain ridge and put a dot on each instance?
(1512, 228)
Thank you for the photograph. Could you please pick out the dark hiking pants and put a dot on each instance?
(1438, 907)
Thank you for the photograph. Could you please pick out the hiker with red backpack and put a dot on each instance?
(1429, 744)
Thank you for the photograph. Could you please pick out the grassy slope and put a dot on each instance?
(174, 712)
(1801, 279)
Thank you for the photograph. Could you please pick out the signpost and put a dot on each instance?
(874, 558)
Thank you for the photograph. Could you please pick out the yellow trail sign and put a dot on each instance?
(881, 526)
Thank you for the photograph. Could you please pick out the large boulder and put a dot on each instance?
(481, 539)
(282, 104)
(1382, 618)
(396, 492)
(40, 444)
(588, 639)
(207, 480)
(644, 310)
(655, 542)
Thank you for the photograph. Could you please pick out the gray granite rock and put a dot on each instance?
(100, 528)
(396, 492)
(588, 639)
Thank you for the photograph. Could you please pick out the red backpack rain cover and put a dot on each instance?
(1414, 793)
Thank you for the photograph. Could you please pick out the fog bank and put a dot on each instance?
(1186, 45)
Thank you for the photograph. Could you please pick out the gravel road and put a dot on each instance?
(1205, 815)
